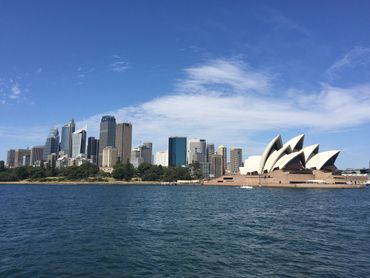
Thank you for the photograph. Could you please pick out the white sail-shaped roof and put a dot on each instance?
(296, 143)
(310, 151)
(275, 156)
(275, 144)
(287, 159)
(251, 165)
(322, 159)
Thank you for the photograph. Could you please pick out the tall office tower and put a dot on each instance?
(37, 153)
(93, 149)
(66, 140)
(161, 158)
(109, 157)
(124, 141)
(177, 151)
(51, 144)
(26, 160)
(235, 160)
(107, 134)
(210, 151)
(18, 157)
(197, 151)
(136, 158)
(221, 150)
(146, 152)
(10, 158)
(216, 165)
(78, 143)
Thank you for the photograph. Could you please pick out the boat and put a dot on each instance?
(246, 187)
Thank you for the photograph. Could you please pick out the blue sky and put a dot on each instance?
(232, 72)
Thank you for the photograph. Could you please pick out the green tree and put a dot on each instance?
(7, 176)
(37, 173)
(195, 170)
(2, 165)
(21, 173)
(118, 173)
(143, 168)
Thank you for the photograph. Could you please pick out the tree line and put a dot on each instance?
(91, 172)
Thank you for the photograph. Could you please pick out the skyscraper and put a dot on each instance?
(136, 158)
(51, 144)
(124, 141)
(66, 140)
(107, 134)
(161, 158)
(146, 152)
(210, 151)
(10, 158)
(235, 160)
(93, 149)
(216, 165)
(177, 151)
(78, 143)
(37, 153)
(197, 151)
(221, 150)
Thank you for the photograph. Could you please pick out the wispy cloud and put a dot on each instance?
(118, 64)
(357, 56)
(83, 72)
(224, 75)
(15, 92)
(11, 92)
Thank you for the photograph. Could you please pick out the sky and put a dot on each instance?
(232, 72)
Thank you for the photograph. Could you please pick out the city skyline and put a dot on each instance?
(233, 74)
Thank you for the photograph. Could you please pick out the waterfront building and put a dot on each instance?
(236, 155)
(18, 156)
(210, 151)
(161, 158)
(66, 139)
(146, 152)
(217, 166)
(107, 134)
(197, 151)
(10, 158)
(26, 159)
(136, 158)
(51, 144)
(93, 149)
(124, 141)
(78, 143)
(222, 150)
(51, 160)
(109, 157)
(37, 154)
(177, 151)
(205, 168)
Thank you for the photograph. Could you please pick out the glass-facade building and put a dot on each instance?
(93, 149)
(78, 143)
(107, 134)
(177, 151)
(51, 144)
(66, 139)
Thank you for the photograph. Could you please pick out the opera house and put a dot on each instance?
(291, 165)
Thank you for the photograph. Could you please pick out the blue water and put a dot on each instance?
(189, 231)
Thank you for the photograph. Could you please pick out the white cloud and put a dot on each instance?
(39, 70)
(119, 65)
(15, 92)
(235, 118)
(356, 56)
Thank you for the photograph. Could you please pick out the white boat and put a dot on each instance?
(246, 187)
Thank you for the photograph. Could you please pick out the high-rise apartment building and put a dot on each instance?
(37, 154)
(51, 144)
(235, 160)
(93, 149)
(146, 152)
(197, 151)
(124, 141)
(177, 151)
(216, 166)
(221, 150)
(109, 157)
(107, 134)
(10, 158)
(66, 140)
(136, 158)
(21, 155)
(78, 143)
